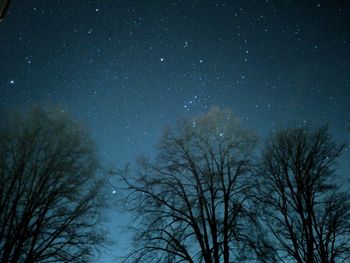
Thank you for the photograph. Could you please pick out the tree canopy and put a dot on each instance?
(193, 202)
(304, 208)
(207, 198)
(48, 189)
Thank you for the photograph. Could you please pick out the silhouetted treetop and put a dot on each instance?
(304, 208)
(192, 203)
(48, 189)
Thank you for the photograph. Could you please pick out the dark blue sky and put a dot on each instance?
(127, 68)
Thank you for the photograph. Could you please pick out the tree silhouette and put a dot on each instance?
(47, 189)
(192, 203)
(307, 214)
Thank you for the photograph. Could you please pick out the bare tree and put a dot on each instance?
(307, 214)
(48, 189)
(192, 203)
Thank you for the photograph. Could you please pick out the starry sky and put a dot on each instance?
(126, 68)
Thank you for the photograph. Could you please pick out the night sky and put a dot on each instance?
(127, 68)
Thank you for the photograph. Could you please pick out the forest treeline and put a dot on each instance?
(211, 194)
